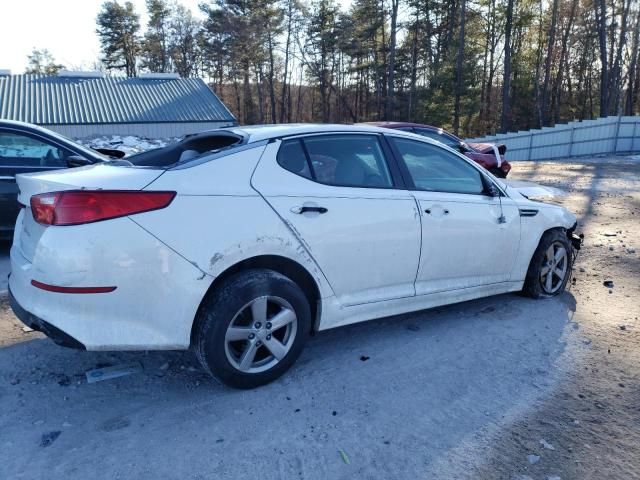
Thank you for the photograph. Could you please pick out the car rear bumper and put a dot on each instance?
(152, 308)
(32, 321)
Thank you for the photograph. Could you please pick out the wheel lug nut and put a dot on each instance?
(258, 343)
(269, 325)
(268, 337)
(258, 325)
(252, 336)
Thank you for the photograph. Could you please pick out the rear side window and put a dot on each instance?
(291, 157)
(340, 160)
(433, 168)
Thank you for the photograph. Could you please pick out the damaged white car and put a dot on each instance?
(241, 242)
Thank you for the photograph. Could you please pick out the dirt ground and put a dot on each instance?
(499, 388)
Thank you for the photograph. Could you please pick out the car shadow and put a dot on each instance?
(393, 395)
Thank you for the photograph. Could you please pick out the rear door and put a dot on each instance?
(22, 152)
(342, 197)
(469, 238)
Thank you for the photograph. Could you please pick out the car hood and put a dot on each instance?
(534, 190)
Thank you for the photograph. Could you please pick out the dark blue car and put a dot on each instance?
(26, 148)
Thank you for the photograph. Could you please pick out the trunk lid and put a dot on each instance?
(101, 176)
(488, 147)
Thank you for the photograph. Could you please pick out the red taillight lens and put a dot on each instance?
(85, 206)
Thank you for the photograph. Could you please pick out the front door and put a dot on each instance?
(338, 194)
(469, 238)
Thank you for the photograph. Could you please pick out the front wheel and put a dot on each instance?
(550, 266)
(252, 328)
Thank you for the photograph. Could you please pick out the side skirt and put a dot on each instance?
(335, 315)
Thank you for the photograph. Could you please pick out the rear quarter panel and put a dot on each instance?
(217, 219)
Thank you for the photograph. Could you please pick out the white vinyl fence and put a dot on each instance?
(610, 135)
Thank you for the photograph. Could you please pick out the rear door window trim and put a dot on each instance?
(397, 180)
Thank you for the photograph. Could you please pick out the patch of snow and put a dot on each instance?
(533, 459)
(129, 144)
(546, 444)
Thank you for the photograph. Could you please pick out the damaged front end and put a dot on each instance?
(576, 239)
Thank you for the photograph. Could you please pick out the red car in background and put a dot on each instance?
(489, 155)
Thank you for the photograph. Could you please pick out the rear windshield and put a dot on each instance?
(186, 150)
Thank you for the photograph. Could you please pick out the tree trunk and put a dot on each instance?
(272, 88)
(631, 87)
(551, 39)
(506, 82)
(283, 93)
(563, 60)
(392, 60)
(414, 66)
(458, 92)
(616, 71)
(601, 25)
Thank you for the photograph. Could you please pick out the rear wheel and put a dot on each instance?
(550, 266)
(252, 328)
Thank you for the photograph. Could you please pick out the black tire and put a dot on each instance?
(533, 284)
(498, 173)
(229, 301)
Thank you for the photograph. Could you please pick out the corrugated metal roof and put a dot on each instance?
(52, 100)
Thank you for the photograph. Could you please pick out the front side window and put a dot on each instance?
(435, 169)
(340, 160)
(17, 150)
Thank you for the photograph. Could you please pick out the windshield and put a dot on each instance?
(91, 153)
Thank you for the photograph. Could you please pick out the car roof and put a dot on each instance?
(386, 124)
(257, 133)
(51, 135)
(24, 126)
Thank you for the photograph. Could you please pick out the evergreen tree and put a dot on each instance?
(42, 62)
(155, 45)
(184, 47)
(118, 31)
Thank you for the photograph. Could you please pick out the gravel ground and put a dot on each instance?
(503, 387)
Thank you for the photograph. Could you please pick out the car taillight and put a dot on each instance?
(75, 207)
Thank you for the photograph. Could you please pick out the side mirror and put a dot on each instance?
(77, 161)
(492, 190)
(463, 147)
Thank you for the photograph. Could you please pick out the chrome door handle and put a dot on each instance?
(446, 212)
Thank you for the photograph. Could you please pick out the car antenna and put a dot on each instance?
(501, 219)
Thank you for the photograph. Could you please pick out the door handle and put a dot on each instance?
(428, 211)
(446, 212)
(305, 208)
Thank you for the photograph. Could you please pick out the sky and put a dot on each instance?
(67, 28)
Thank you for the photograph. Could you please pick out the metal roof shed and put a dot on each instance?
(85, 104)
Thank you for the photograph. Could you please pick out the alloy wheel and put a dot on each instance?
(261, 334)
(555, 265)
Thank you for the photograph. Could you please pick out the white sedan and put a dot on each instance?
(239, 243)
